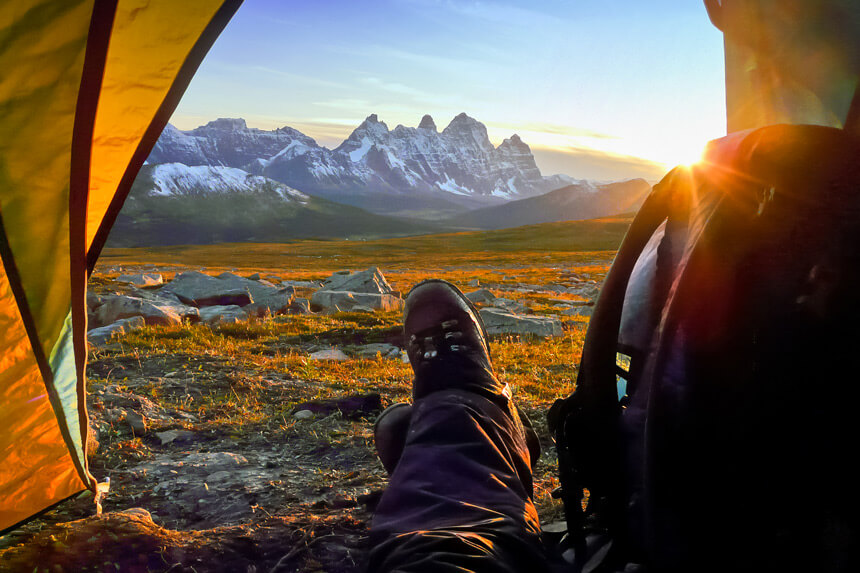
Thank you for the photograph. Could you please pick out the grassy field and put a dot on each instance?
(235, 388)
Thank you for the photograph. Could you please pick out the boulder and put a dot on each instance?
(258, 296)
(335, 354)
(94, 300)
(481, 295)
(99, 336)
(222, 314)
(117, 307)
(579, 311)
(346, 300)
(299, 306)
(511, 305)
(501, 321)
(368, 281)
(145, 280)
(381, 348)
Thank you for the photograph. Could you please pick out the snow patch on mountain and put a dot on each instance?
(173, 179)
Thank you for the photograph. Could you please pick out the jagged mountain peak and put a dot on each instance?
(225, 124)
(427, 123)
(514, 142)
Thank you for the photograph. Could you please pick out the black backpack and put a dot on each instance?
(715, 422)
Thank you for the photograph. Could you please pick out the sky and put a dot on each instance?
(602, 90)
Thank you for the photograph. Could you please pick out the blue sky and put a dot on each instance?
(603, 90)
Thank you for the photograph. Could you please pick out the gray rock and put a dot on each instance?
(203, 290)
(361, 308)
(481, 295)
(474, 283)
(142, 279)
(99, 336)
(94, 300)
(302, 284)
(225, 314)
(303, 415)
(115, 308)
(335, 354)
(137, 422)
(500, 321)
(170, 436)
(215, 460)
(381, 348)
(345, 300)
(510, 305)
(228, 297)
(579, 311)
(299, 306)
(255, 277)
(368, 281)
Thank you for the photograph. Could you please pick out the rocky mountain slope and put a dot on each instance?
(581, 200)
(404, 170)
(173, 203)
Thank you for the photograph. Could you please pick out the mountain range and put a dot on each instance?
(224, 181)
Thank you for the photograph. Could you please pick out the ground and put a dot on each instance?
(227, 477)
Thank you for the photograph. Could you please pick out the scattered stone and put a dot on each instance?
(143, 280)
(350, 407)
(329, 354)
(511, 305)
(115, 308)
(346, 300)
(346, 290)
(302, 284)
(232, 297)
(94, 300)
(361, 308)
(481, 295)
(299, 306)
(303, 415)
(137, 422)
(367, 281)
(474, 283)
(227, 314)
(255, 277)
(579, 311)
(381, 348)
(99, 336)
(171, 436)
(501, 321)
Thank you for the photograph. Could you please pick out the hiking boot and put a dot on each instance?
(447, 343)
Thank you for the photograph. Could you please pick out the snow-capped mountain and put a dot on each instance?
(458, 166)
(177, 179)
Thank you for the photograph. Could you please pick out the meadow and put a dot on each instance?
(303, 496)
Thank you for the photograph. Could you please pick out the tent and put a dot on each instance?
(86, 88)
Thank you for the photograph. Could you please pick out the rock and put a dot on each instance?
(137, 422)
(350, 407)
(481, 295)
(346, 300)
(145, 280)
(171, 436)
(367, 281)
(329, 354)
(382, 349)
(510, 305)
(500, 321)
(346, 290)
(579, 311)
(303, 415)
(115, 308)
(474, 283)
(230, 297)
(99, 336)
(255, 277)
(302, 284)
(215, 460)
(258, 296)
(361, 308)
(94, 300)
(227, 314)
(299, 306)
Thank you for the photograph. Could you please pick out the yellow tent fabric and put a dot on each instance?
(86, 88)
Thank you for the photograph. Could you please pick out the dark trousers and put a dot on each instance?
(460, 498)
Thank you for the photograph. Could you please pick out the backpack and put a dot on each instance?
(714, 421)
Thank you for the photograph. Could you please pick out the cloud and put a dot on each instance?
(555, 129)
(584, 163)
